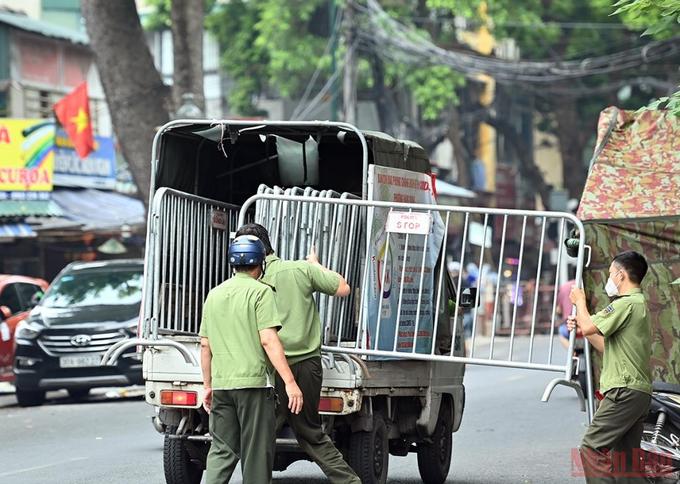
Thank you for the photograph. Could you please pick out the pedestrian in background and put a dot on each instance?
(295, 283)
(622, 333)
(239, 345)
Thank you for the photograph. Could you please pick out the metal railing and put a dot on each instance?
(520, 246)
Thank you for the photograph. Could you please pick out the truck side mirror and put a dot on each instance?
(468, 297)
(5, 313)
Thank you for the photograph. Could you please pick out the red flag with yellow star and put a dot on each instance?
(73, 112)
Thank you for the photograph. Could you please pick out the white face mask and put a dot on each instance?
(611, 288)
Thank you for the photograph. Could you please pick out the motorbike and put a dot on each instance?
(661, 436)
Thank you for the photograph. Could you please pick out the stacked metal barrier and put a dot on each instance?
(189, 248)
(337, 232)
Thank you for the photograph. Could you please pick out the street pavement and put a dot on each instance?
(507, 436)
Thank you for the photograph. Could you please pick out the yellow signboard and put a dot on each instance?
(26, 155)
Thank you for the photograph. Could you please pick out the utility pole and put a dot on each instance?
(349, 84)
(332, 14)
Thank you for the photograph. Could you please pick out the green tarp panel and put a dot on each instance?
(632, 202)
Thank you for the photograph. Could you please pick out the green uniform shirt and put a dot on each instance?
(233, 314)
(627, 335)
(295, 283)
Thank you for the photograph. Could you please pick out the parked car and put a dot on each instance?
(88, 307)
(18, 294)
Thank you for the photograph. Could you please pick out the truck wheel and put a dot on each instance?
(434, 459)
(30, 398)
(177, 464)
(369, 453)
(78, 393)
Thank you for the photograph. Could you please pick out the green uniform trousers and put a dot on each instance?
(610, 450)
(307, 424)
(242, 425)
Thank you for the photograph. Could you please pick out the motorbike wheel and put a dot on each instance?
(657, 472)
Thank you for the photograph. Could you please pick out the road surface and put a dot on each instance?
(507, 436)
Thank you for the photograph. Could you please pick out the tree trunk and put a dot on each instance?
(349, 83)
(135, 93)
(383, 103)
(572, 137)
(460, 154)
(527, 168)
(187, 41)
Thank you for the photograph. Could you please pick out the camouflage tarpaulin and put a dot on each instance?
(636, 168)
(632, 202)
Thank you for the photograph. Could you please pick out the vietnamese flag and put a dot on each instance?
(73, 112)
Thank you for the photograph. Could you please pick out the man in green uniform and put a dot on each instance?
(295, 283)
(622, 332)
(239, 345)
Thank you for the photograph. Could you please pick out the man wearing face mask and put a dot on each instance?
(622, 333)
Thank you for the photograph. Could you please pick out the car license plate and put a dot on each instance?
(79, 361)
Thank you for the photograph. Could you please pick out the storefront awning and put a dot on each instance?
(97, 209)
(39, 208)
(15, 231)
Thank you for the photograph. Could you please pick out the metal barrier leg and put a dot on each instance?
(568, 383)
(589, 382)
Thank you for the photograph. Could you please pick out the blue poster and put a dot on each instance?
(97, 170)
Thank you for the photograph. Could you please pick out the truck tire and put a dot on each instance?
(434, 459)
(177, 464)
(30, 398)
(369, 453)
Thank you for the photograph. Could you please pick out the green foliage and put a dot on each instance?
(661, 18)
(269, 44)
(434, 89)
(158, 17)
(234, 26)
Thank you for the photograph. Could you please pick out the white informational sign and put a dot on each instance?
(478, 235)
(416, 223)
(404, 247)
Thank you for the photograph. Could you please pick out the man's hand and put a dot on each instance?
(294, 397)
(312, 258)
(571, 323)
(207, 399)
(577, 296)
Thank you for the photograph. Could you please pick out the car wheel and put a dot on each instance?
(30, 398)
(78, 393)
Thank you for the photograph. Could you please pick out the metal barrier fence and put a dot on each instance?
(519, 230)
(188, 247)
(187, 256)
(337, 232)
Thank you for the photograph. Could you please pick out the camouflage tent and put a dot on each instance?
(631, 201)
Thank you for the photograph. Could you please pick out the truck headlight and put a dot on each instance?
(27, 330)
